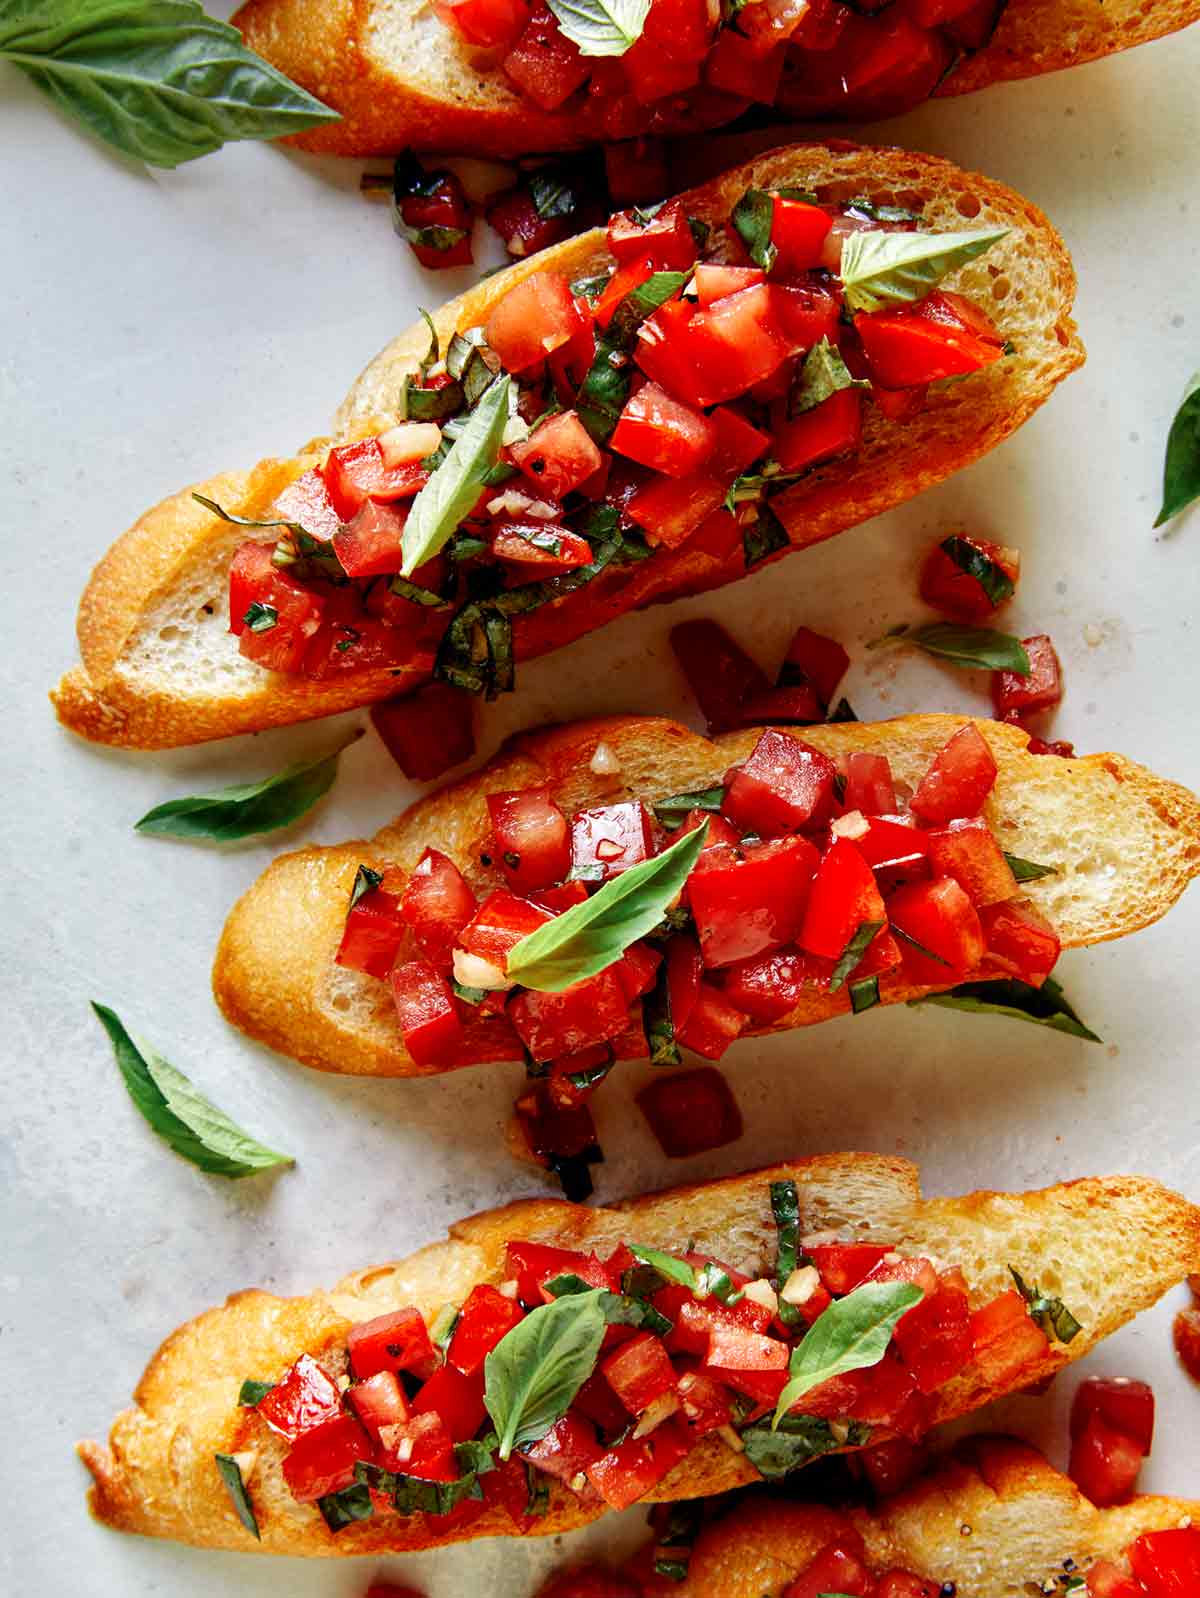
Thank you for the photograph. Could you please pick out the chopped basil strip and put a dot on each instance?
(882, 213)
(785, 1207)
(230, 1473)
(185, 1120)
(775, 1451)
(853, 953)
(752, 217)
(415, 594)
(590, 936)
(432, 354)
(454, 487)
(764, 536)
(673, 1568)
(412, 1495)
(659, 1022)
(715, 1282)
(673, 812)
(880, 270)
(605, 389)
(864, 994)
(756, 486)
(1051, 1314)
(244, 521)
(1045, 1006)
(821, 374)
(552, 194)
(444, 1323)
(538, 1484)
(993, 579)
(978, 648)
(253, 1392)
(365, 880)
(920, 948)
(601, 27)
(666, 1265)
(534, 1372)
(419, 404)
(260, 618)
(618, 1309)
(591, 1076)
(591, 288)
(1028, 870)
(1181, 466)
(468, 995)
(342, 1509)
(852, 1334)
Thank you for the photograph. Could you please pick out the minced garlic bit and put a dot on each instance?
(604, 761)
(516, 429)
(762, 1293)
(513, 503)
(578, 1482)
(508, 1289)
(473, 971)
(654, 1414)
(409, 441)
(246, 1462)
(839, 1430)
(852, 825)
(801, 1285)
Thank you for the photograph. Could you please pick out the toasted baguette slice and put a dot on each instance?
(994, 1518)
(400, 77)
(1125, 843)
(160, 669)
(1108, 1246)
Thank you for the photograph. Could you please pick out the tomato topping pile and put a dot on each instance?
(664, 406)
(1112, 1427)
(408, 1417)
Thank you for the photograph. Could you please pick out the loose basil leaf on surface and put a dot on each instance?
(590, 936)
(978, 648)
(454, 487)
(230, 1473)
(864, 994)
(852, 1334)
(993, 579)
(183, 1117)
(1028, 870)
(247, 808)
(536, 1369)
(1050, 1313)
(821, 374)
(1044, 1006)
(665, 1264)
(158, 80)
(853, 953)
(253, 1392)
(1181, 466)
(796, 1441)
(601, 27)
(785, 1207)
(671, 813)
(764, 536)
(883, 269)
(342, 1509)
(552, 194)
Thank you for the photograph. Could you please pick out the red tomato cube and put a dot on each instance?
(394, 1342)
(354, 473)
(835, 1569)
(378, 1402)
(567, 1449)
(666, 239)
(484, 22)
(736, 343)
(307, 501)
(1007, 1342)
(486, 1317)
(947, 587)
(637, 970)
(373, 934)
(783, 786)
(771, 986)
(719, 672)
(843, 898)
(844, 1265)
(967, 851)
(499, 924)
(704, 1403)
(798, 232)
(369, 545)
(812, 658)
(664, 434)
(834, 427)
(531, 838)
(1125, 1404)
(533, 320)
(714, 282)
(304, 1399)
(1023, 696)
(691, 1112)
(805, 313)
(554, 1024)
(427, 1012)
(737, 65)
(558, 455)
(670, 509)
(923, 343)
(712, 1025)
(959, 779)
(547, 68)
(322, 1460)
(869, 788)
(893, 843)
(938, 916)
(892, 1465)
(610, 839)
(748, 902)
(1168, 1562)
(421, 1446)
(1104, 1462)
(255, 580)
(738, 444)
(639, 1372)
(456, 1399)
(1020, 941)
(627, 1472)
(934, 1337)
(1106, 1580)
(429, 731)
(436, 905)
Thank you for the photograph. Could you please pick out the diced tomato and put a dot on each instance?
(836, 1569)
(369, 545)
(820, 661)
(307, 502)
(427, 1012)
(733, 1347)
(939, 916)
(610, 839)
(639, 1372)
(959, 779)
(428, 731)
(531, 838)
(770, 986)
(394, 1342)
(691, 1112)
(934, 1337)
(843, 898)
(304, 1399)
(1020, 941)
(627, 1472)
(806, 314)
(749, 902)
(499, 924)
(922, 343)
(738, 444)
(357, 472)
(704, 1403)
(349, 640)
(420, 1446)
(600, 1404)
(685, 971)
(664, 351)
(484, 22)
(718, 671)
(665, 240)
(1023, 696)
(560, 898)
(534, 549)
(558, 455)
(834, 427)
(712, 1025)
(892, 844)
(783, 786)
(1105, 1463)
(720, 832)
(798, 233)
(967, 851)
(436, 905)
(637, 970)
(891, 1465)
(1168, 1562)
(532, 1264)
(714, 282)
(545, 65)
(515, 215)
(844, 1265)
(322, 1460)
(1106, 1580)
(532, 320)
(456, 1399)
(628, 276)
(1006, 1340)
(373, 934)
(670, 509)
(378, 1402)
(737, 65)
(664, 434)
(567, 1449)
(736, 343)
(587, 1012)
(1125, 1404)
(254, 579)
(486, 1317)
(439, 203)
(948, 588)
(555, 1127)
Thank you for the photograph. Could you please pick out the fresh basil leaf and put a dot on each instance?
(601, 27)
(666, 1265)
(978, 648)
(420, 404)
(590, 936)
(246, 808)
(1044, 1006)
(659, 1022)
(1050, 1313)
(883, 269)
(552, 194)
(785, 1207)
(821, 374)
(712, 1280)
(993, 579)
(415, 594)
(535, 1370)
(443, 1326)
(864, 994)
(413, 1495)
(260, 618)
(242, 521)
(183, 1117)
(1028, 870)
(673, 812)
(251, 1393)
(764, 536)
(342, 1509)
(852, 1334)
(795, 1442)
(753, 217)
(159, 80)
(1181, 465)
(853, 953)
(605, 388)
(230, 1473)
(453, 489)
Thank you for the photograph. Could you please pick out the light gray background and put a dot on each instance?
(160, 327)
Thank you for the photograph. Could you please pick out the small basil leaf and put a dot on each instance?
(1181, 467)
(230, 1473)
(618, 1309)
(253, 1392)
(883, 269)
(665, 1264)
(537, 1485)
(1050, 1313)
(993, 579)
(248, 808)
(158, 80)
(1044, 1006)
(864, 994)
(785, 1207)
(454, 487)
(797, 1441)
(1028, 870)
(552, 195)
(978, 648)
(853, 953)
(605, 388)
(590, 936)
(753, 217)
(852, 1334)
(260, 618)
(342, 1509)
(365, 881)
(671, 813)
(601, 27)
(821, 374)
(415, 594)
(185, 1120)
(245, 521)
(765, 535)
(535, 1370)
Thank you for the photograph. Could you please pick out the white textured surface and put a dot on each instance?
(160, 327)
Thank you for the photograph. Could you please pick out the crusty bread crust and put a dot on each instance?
(1126, 842)
(388, 103)
(1110, 1246)
(995, 1518)
(166, 575)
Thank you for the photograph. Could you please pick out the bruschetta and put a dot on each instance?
(621, 419)
(548, 1362)
(992, 1520)
(502, 77)
(966, 856)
